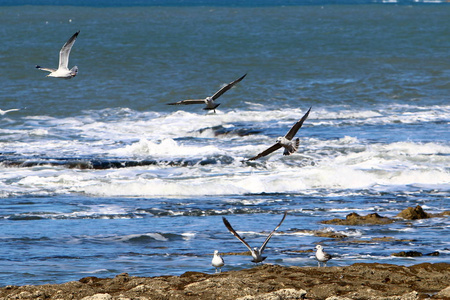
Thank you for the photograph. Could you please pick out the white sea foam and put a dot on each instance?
(165, 148)
(344, 163)
(374, 168)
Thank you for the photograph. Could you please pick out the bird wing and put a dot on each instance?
(293, 131)
(273, 231)
(189, 101)
(10, 110)
(227, 87)
(65, 51)
(228, 225)
(46, 69)
(267, 151)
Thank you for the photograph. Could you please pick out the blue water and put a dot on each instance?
(99, 176)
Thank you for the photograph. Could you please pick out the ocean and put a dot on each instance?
(99, 176)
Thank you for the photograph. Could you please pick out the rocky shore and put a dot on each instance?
(271, 282)
(358, 281)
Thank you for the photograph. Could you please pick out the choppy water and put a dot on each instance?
(99, 176)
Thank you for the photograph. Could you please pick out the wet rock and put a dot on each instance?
(355, 219)
(413, 213)
(330, 234)
(407, 254)
(321, 233)
(386, 239)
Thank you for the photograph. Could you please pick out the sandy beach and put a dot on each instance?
(358, 281)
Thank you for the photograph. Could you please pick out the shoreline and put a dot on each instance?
(357, 281)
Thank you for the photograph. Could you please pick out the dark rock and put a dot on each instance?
(355, 219)
(407, 254)
(413, 213)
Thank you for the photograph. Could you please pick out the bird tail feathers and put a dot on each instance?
(292, 148)
(74, 70)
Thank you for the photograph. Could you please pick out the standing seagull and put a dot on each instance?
(209, 101)
(63, 71)
(290, 146)
(217, 261)
(255, 252)
(322, 256)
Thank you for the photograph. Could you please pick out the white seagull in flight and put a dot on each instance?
(4, 112)
(63, 70)
(256, 252)
(209, 101)
(290, 146)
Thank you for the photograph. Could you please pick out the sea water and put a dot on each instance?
(99, 176)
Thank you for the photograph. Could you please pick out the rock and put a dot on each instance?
(407, 254)
(357, 281)
(413, 213)
(330, 234)
(141, 288)
(445, 293)
(355, 219)
(98, 297)
(23, 295)
(284, 294)
(410, 296)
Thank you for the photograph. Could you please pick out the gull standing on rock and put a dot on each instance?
(290, 146)
(255, 252)
(63, 70)
(209, 101)
(217, 261)
(322, 256)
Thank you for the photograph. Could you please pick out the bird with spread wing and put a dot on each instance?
(63, 70)
(290, 146)
(209, 101)
(255, 252)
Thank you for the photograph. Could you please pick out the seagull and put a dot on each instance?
(255, 252)
(217, 262)
(63, 71)
(322, 256)
(209, 101)
(4, 112)
(290, 146)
